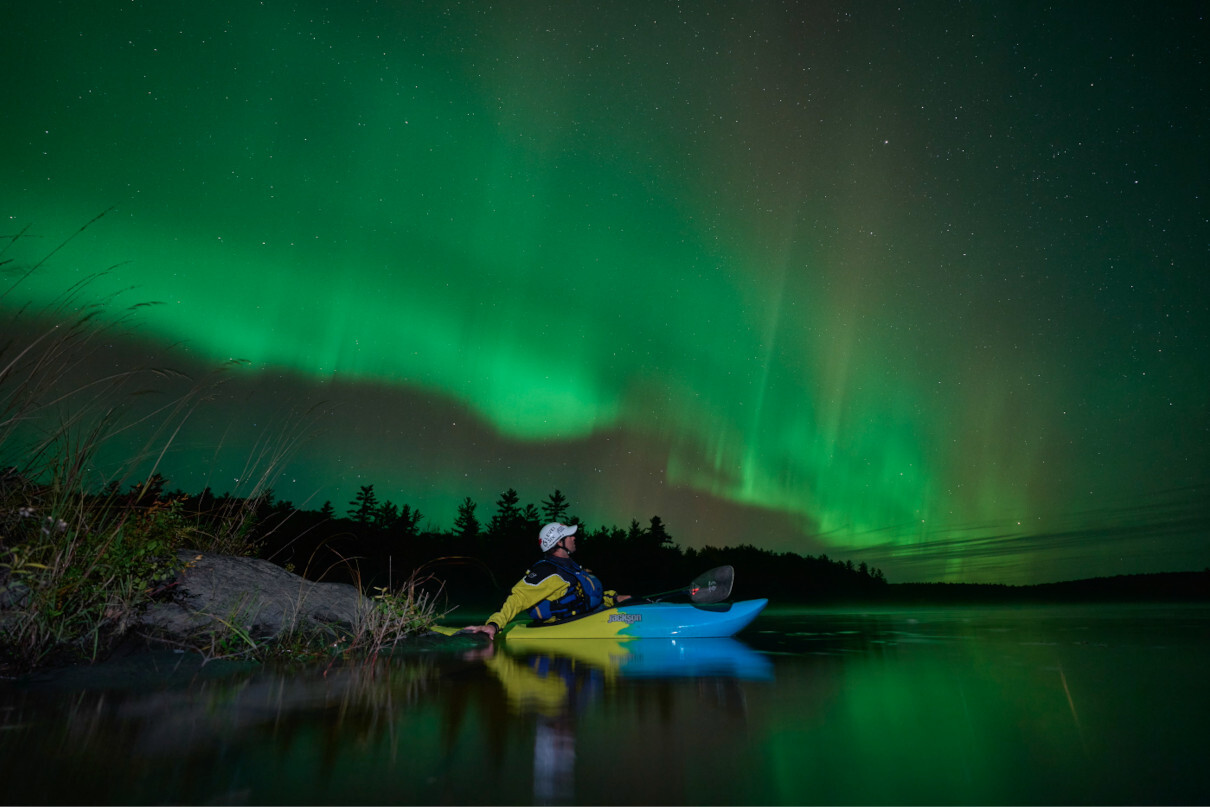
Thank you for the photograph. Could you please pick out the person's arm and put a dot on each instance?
(525, 595)
(612, 598)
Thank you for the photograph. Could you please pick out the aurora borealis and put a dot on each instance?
(923, 286)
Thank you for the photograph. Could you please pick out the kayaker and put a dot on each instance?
(555, 587)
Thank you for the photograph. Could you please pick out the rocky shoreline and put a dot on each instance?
(225, 606)
(255, 596)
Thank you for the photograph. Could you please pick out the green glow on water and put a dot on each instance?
(1070, 705)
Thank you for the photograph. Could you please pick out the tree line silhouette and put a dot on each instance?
(378, 543)
(375, 542)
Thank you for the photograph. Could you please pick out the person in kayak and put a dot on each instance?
(555, 587)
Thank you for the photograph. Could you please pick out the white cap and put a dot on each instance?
(552, 533)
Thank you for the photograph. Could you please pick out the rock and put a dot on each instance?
(13, 595)
(252, 595)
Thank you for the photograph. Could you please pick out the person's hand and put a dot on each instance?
(481, 653)
(489, 629)
(621, 598)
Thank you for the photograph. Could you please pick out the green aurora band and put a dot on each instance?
(792, 285)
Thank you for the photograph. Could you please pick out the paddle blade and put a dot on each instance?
(712, 586)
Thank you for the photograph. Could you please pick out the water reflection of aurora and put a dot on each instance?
(1029, 706)
(1008, 705)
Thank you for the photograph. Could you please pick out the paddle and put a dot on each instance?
(708, 587)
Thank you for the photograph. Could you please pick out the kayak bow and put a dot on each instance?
(649, 620)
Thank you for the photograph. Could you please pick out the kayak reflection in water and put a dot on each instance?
(555, 587)
(553, 689)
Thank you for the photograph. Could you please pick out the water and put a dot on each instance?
(1010, 706)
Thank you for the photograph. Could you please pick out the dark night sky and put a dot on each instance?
(922, 285)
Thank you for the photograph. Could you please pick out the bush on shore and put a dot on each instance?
(80, 557)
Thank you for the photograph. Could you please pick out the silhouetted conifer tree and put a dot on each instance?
(531, 521)
(507, 519)
(466, 525)
(364, 505)
(407, 524)
(386, 514)
(555, 507)
(657, 535)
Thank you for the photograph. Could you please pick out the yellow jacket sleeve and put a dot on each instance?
(526, 595)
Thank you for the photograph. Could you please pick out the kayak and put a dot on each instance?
(648, 620)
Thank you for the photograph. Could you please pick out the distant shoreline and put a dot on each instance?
(1161, 587)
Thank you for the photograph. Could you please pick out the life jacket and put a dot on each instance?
(584, 591)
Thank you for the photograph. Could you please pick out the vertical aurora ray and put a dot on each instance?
(733, 253)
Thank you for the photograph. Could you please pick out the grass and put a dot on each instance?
(390, 616)
(76, 572)
(394, 615)
(79, 556)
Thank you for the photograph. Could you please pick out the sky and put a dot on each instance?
(921, 285)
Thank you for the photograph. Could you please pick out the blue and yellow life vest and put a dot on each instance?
(584, 592)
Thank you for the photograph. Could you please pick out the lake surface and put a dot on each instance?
(1067, 705)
